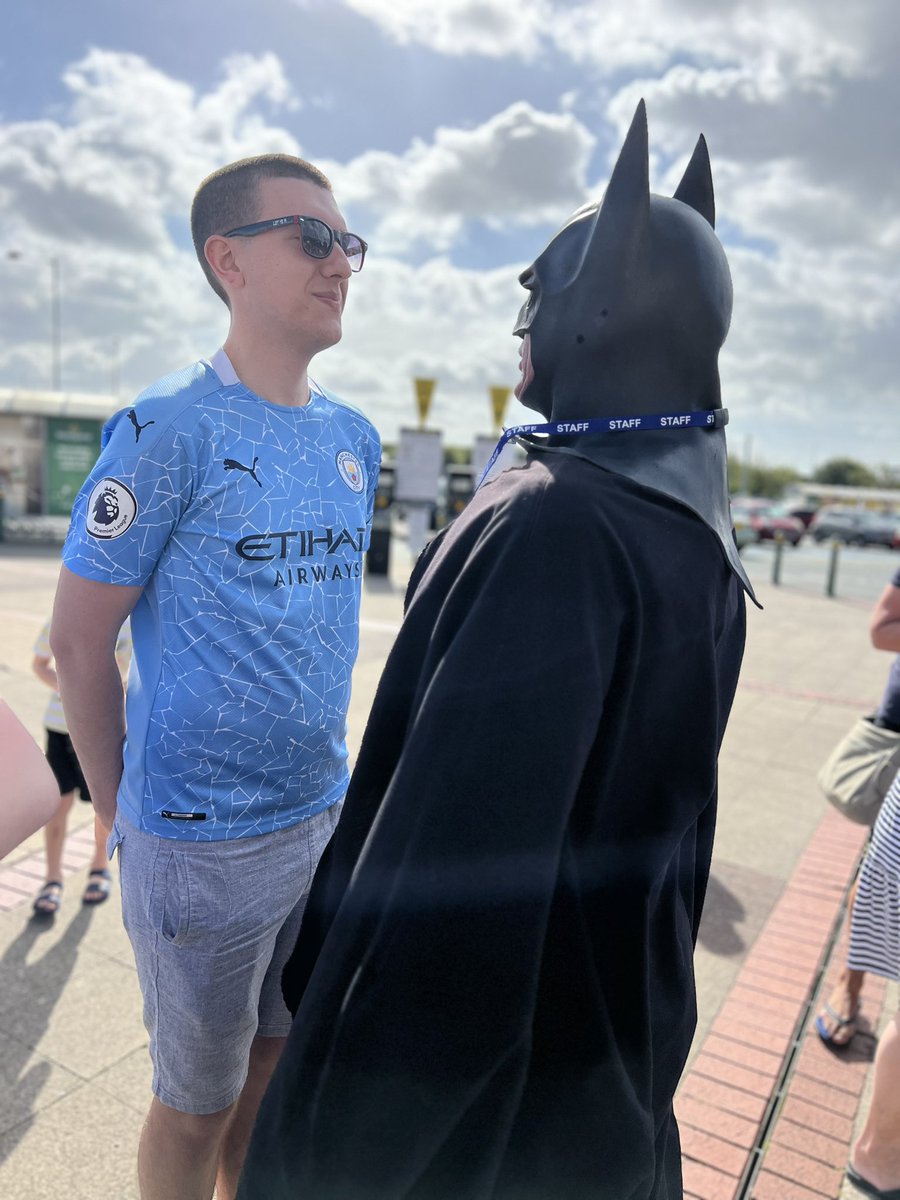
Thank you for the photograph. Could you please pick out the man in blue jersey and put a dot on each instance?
(228, 513)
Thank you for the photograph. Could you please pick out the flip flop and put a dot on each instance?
(869, 1189)
(48, 899)
(827, 1035)
(98, 887)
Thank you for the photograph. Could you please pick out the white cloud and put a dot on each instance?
(435, 320)
(521, 165)
(133, 147)
(494, 28)
(799, 105)
(103, 188)
(805, 40)
(101, 191)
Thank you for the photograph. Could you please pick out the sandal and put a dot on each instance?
(827, 1036)
(48, 899)
(98, 887)
(869, 1189)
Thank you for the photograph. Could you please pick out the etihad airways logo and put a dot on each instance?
(303, 543)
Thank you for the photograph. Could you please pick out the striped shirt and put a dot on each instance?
(885, 848)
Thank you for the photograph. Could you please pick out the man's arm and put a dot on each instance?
(87, 617)
(884, 628)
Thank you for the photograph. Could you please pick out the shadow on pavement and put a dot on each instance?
(861, 1047)
(722, 911)
(32, 989)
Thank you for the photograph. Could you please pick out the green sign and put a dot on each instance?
(70, 451)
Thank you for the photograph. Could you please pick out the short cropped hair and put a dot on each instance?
(230, 197)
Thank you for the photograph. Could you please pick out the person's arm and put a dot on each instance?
(40, 664)
(87, 617)
(884, 628)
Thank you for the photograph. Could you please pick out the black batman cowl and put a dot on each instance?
(628, 308)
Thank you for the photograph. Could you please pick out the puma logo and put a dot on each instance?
(138, 428)
(232, 464)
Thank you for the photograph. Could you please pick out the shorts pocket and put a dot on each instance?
(170, 907)
(190, 905)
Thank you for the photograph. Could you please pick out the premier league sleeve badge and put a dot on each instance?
(111, 509)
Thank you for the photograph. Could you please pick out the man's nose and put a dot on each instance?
(337, 263)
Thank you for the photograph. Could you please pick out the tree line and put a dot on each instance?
(756, 479)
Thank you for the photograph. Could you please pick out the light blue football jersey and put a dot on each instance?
(245, 523)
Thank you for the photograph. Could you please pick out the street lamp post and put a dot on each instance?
(55, 326)
(55, 320)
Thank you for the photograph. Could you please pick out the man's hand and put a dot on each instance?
(87, 617)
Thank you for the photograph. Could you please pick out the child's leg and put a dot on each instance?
(55, 836)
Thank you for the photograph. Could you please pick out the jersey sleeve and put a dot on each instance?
(132, 500)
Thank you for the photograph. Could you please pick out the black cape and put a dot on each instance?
(493, 984)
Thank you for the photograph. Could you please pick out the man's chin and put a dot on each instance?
(521, 389)
(329, 338)
(530, 397)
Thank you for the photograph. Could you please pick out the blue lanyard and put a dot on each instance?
(708, 419)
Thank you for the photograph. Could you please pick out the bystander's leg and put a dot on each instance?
(836, 1023)
(54, 839)
(876, 1156)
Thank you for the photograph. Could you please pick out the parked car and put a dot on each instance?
(802, 513)
(769, 520)
(744, 533)
(856, 527)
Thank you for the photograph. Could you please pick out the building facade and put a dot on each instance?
(48, 443)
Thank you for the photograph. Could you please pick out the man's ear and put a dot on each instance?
(220, 256)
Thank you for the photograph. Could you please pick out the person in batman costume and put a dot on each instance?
(493, 986)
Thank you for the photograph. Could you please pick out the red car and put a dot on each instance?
(769, 520)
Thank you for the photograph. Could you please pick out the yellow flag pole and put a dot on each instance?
(499, 399)
(424, 392)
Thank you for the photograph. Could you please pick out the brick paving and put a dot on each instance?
(20, 881)
(767, 1111)
(810, 1139)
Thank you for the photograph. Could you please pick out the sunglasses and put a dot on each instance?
(316, 238)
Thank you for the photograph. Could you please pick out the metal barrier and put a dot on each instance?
(832, 568)
(833, 562)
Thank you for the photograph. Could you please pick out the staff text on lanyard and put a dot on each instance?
(714, 419)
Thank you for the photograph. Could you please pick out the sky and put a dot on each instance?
(459, 135)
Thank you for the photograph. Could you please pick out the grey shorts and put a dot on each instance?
(212, 925)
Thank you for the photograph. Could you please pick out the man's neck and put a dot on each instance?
(267, 370)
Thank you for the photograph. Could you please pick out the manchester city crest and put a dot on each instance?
(350, 470)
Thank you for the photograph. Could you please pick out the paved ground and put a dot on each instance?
(73, 1059)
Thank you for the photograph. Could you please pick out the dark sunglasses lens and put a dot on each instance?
(317, 238)
(354, 249)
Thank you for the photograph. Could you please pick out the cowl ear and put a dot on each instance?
(696, 187)
(628, 190)
(624, 212)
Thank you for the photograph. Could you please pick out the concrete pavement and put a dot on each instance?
(73, 1057)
